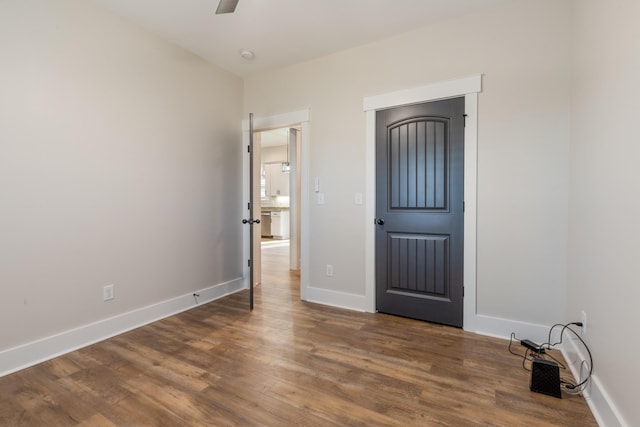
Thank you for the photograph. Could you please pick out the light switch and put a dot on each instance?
(358, 198)
(320, 198)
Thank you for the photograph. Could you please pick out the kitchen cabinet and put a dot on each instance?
(276, 181)
(280, 224)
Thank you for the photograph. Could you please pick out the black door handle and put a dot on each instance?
(250, 221)
(380, 221)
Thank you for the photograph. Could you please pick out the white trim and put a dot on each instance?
(336, 299)
(469, 88)
(502, 328)
(440, 90)
(26, 355)
(370, 213)
(277, 121)
(470, 313)
(601, 404)
(302, 118)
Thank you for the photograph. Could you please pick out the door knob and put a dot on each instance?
(250, 221)
(380, 221)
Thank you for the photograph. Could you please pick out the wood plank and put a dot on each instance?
(286, 363)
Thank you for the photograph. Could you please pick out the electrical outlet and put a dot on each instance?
(329, 270)
(107, 293)
(583, 319)
(358, 199)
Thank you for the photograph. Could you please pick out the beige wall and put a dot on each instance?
(120, 161)
(274, 154)
(605, 193)
(523, 51)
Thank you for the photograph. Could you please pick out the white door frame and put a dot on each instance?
(469, 87)
(294, 118)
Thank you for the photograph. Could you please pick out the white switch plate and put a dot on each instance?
(320, 198)
(329, 270)
(107, 292)
(358, 198)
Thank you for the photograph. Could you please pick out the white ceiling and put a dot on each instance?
(283, 32)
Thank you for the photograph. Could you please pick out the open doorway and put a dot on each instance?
(277, 167)
(251, 248)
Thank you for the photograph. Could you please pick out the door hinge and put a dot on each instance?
(249, 206)
(249, 263)
(464, 207)
(248, 148)
(463, 291)
(464, 117)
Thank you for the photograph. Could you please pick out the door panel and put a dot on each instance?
(254, 213)
(419, 206)
(418, 264)
(418, 164)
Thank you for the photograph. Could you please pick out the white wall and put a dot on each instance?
(274, 154)
(120, 161)
(605, 193)
(523, 50)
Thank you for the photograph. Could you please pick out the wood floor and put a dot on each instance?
(288, 363)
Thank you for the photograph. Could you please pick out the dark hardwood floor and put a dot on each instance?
(286, 363)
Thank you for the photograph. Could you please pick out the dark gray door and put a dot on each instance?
(419, 211)
(253, 211)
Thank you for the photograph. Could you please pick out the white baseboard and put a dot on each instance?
(480, 324)
(336, 298)
(599, 401)
(502, 328)
(23, 356)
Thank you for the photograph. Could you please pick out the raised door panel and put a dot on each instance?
(418, 165)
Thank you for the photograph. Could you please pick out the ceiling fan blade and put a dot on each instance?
(226, 6)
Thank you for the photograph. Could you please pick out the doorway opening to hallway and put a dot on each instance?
(276, 163)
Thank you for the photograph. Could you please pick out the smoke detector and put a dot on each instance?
(247, 54)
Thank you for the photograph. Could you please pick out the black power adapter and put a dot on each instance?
(532, 346)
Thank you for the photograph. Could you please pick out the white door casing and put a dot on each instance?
(469, 87)
(296, 118)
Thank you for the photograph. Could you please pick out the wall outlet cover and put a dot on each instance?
(107, 292)
(329, 270)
